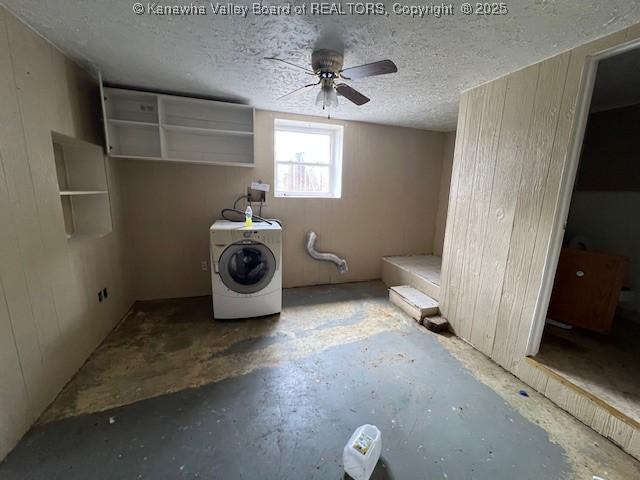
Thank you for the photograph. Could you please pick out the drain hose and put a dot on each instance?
(341, 263)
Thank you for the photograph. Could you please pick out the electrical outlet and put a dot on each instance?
(204, 266)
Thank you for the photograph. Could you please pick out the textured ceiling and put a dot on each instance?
(222, 56)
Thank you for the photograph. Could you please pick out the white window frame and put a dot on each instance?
(336, 134)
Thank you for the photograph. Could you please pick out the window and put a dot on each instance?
(308, 159)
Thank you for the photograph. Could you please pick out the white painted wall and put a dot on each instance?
(50, 319)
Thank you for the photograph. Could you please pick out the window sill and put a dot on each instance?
(301, 195)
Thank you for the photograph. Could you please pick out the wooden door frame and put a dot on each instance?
(583, 104)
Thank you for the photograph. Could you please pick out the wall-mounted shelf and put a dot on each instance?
(83, 192)
(82, 181)
(205, 131)
(149, 126)
(132, 123)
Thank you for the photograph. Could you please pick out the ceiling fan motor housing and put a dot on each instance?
(326, 61)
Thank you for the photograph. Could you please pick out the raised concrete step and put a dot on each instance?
(415, 303)
(421, 272)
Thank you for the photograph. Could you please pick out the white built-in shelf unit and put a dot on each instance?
(150, 126)
(83, 186)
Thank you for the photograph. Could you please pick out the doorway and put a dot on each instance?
(590, 335)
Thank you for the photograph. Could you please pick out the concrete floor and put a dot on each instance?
(172, 394)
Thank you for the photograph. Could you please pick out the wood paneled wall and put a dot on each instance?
(510, 163)
(50, 319)
(510, 157)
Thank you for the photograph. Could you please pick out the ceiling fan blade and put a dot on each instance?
(306, 70)
(297, 90)
(351, 94)
(369, 70)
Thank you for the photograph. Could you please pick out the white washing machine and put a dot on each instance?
(246, 269)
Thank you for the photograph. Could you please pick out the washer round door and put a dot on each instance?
(247, 267)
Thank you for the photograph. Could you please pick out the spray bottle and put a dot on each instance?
(248, 217)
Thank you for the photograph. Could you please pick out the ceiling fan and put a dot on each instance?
(327, 66)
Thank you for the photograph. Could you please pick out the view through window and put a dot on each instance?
(308, 159)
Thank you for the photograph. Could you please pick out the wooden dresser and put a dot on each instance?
(587, 289)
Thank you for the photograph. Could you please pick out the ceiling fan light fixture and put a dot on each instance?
(327, 97)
